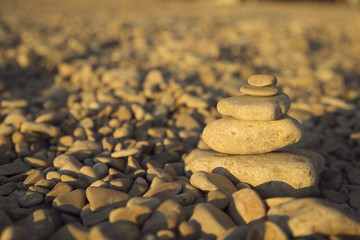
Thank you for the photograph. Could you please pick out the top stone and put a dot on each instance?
(262, 80)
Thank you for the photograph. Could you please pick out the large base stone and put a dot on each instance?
(275, 174)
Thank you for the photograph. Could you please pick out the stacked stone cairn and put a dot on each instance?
(244, 143)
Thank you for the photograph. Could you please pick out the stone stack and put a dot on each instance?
(244, 141)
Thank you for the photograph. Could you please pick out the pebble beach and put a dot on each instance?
(103, 107)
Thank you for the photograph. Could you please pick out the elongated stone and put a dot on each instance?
(260, 80)
(255, 108)
(259, 91)
(292, 173)
(233, 136)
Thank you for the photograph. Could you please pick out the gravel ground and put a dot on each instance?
(102, 102)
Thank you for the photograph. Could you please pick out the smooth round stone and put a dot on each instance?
(233, 136)
(259, 91)
(100, 198)
(71, 202)
(255, 108)
(164, 191)
(135, 214)
(277, 174)
(212, 182)
(43, 130)
(261, 80)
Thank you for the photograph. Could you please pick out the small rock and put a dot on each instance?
(59, 189)
(260, 80)
(68, 164)
(73, 231)
(100, 198)
(167, 216)
(135, 214)
(259, 91)
(88, 174)
(90, 218)
(308, 216)
(74, 182)
(120, 184)
(51, 117)
(126, 153)
(265, 230)
(70, 202)
(27, 199)
(246, 206)
(43, 130)
(118, 164)
(164, 191)
(213, 221)
(82, 149)
(38, 162)
(15, 167)
(272, 202)
(158, 172)
(33, 177)
(185, 121)
(7, 188)
(116, 230)
(212, 182)
(151, 202)
(166, 234)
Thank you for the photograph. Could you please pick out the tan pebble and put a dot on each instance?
(68, 164)
(135, 214)
(150, 202)
(13, 232)
(84, 149)
(74, 182)
(51, 117)
(188, 231)
(116, 230)
(6, 130)
(142, 181)
(5, 221)
(213, 222)
(185, 198)
(33, 177)
(7, 188)
(53, 176)
(266, 230)
(121, 184)
(218, 199)
(308, 216)
(70, 202)
(15, 119)
(166, 234)
(164, 191)
(211, 182)
(38, 225)
(171, 170)
(43, 130)
(75, 231)
(157, 132)
(253, 108)
(100, 183)
(105, 130)
(187, 122)
(272, 202)
(38, 162)
(354, 199)
(167, 216)
(187, 187)
(233, 136)
(158, 172)
(38, 189)
(88, 174)
(260, 80)
(90, 218)
(59, 189)
(126, 153)
(100, 198)
(118, 164)
(259, 91)
(234, 233)
(14, 103)
(246, 206)
(132, 165)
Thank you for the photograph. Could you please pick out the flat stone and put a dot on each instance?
(213, 221)
(68, 164)
(277, 174)
(15, 167)
(43, 130)
(27, 199)
(51, 117)
(188, 231)
(4, 220)
(88, 174)
(164, 191)
(212, 182)
(246, 207)
(33, 177)
(73, 231)
(126, 152)
(266, 230)
(59, 189)
(260, 80)
(120, 184)
(233, 136)
(82, 149)
(158, 172)
(73, 181)
(151, 202)
(135, 214)
(308, 216)
(38, 225)
(116, 163)
(38, 162)
(71, 202)
(255, 108)
(117, 230)
(272, 202)
(13, 232)
(91, 218)
(259, 91)
(218, 199)
(167, 216)
(100, 198)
